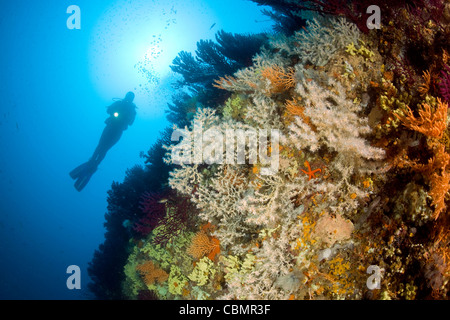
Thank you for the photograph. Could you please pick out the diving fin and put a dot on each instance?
(75, 173)
(84, 177)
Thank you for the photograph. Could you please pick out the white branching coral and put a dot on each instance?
(320, 40)
(257, 216)
(264, 113)
(271, 261)
(250, 79)
(336, 122)
(218, 201)
(247, 79)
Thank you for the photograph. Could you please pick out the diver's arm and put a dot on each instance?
(112, 108)
(109, 109)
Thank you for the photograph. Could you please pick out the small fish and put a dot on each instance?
(163, 200)
(212, 26)
(258, 21)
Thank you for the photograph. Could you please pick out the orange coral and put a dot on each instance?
(388, 75)
(223, 82)
(202, 245)
(440, 184)
(428, 123)
(432, 125)
(216, 248)
(208, 227)
(435, 170)
(279, 79)
(296, 109)
(437, 162)
(151, 273)
(440, 159)
(425, 87)
(441, 247)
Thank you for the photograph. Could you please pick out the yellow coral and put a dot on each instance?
(339, 270)
(362, 51)
(351, 49)
(308, 227)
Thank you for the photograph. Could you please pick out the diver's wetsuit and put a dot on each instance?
(122, 114)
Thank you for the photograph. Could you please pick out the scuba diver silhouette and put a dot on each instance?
(121, 115)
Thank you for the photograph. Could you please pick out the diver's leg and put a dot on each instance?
(110, 136)
(97, 156)
(100, 152)
(84, 172)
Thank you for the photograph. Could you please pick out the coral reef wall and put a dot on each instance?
(322, 173)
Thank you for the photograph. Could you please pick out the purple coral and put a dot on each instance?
(178, 218)
(154, 210)
(444, 83)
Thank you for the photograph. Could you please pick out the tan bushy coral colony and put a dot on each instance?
(306, 231)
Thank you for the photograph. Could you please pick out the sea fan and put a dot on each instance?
(180, 215)
(154, 209)
(444, 83)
